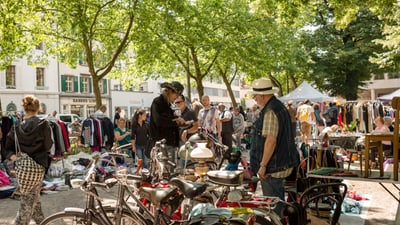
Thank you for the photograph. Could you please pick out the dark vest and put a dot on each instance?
(226, 126)
(285, 153)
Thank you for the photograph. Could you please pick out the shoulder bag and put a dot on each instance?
(29, 173)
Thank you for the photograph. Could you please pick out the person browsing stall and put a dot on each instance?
(122, 134)
(188, 115)
(238, 126)
(225, 116)
(386, 145)
(273, 153)
(305, 114)
(209, 118)
(117, 116)
(164, 123)
(76, 127)
(140, 131)
(34, 137)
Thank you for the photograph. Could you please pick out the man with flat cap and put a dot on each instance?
(273, 154)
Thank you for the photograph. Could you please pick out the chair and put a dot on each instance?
(359, 153)
(396, 105)
(359, 150)
(326, 156)
(319, 200)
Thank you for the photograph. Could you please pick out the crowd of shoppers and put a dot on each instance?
(272, 125)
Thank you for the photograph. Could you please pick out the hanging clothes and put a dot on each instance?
(58, 147)
(65, 134)
(97, 133)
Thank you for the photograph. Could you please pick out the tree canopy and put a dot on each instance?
(95, 32)
(222, 39)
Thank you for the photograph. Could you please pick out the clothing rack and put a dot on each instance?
(363, 117)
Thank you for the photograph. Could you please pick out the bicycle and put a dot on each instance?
(175, 208)
(319, 200)
(95, 213)
(129, 208)
(225, 181)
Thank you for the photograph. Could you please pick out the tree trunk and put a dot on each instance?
(200, 87)
(96, 91)
(229, 89)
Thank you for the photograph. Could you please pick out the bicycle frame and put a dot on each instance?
(262, 206)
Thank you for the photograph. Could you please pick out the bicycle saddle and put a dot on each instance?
(157, 196)
(226, 177)
(189, 189)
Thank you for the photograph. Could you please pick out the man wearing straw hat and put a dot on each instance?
(273, 152)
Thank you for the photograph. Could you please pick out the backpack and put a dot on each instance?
(303, 115)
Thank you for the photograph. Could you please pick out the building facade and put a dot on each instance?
(76, 91)
(19, 79)
(380, 84)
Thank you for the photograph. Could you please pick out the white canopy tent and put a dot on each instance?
(305, 91)
(390, 96)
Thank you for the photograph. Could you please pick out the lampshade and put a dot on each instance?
(201, 152)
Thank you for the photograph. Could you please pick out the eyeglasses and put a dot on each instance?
(178, 102)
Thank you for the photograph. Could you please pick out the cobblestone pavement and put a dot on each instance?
(382, 209)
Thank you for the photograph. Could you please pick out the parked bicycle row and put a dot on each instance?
(161, 196)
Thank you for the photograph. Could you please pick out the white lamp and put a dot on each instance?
(201, 154)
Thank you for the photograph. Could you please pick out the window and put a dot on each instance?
(10, 77)
(85, 85)
(211, 91)
(69, 83)
(394, 75)
(379, 76)
(77, 109)
(117, 87)
(236, 94)
(40, 77)
(101, 87)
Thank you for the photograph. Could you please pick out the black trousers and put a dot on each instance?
(227, 140)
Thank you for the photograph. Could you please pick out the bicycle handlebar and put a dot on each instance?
(118, 148)
(211, 137)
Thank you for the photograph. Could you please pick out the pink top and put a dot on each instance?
(383, 129)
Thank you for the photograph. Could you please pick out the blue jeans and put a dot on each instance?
(140, 155)
(274, 187)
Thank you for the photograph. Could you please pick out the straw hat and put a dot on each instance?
(263, 86)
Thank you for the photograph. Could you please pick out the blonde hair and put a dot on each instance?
(30, 103)
(388, 120)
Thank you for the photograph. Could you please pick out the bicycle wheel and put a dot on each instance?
(79, 218)
(69, 218)
(126, 218)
